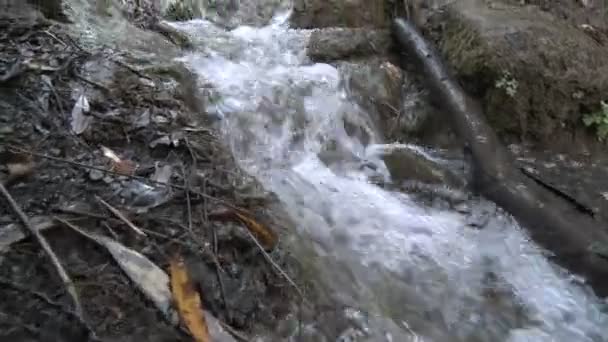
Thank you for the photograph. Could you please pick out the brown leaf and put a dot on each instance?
(119, 165)
(267, 238)
(188, 301)
(19, 165)
(124, 167)
(149, 278)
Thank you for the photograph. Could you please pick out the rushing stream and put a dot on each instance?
(414, 272)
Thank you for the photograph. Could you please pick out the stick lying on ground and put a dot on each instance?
(47, 248)
(552, 221)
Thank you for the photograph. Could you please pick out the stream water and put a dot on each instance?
(400, 270)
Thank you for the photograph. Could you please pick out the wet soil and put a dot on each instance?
(147, 118)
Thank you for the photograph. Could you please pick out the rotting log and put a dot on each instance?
(552, 221)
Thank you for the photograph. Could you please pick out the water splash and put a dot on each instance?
(421, 273)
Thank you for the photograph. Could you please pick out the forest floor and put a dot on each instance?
(89, 141)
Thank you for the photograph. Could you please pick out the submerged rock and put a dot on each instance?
(394, 98)
(407, 163)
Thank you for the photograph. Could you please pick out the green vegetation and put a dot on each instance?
(179, 11)
(599, 120)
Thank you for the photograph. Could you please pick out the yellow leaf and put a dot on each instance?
(267, 237)
(188, 301)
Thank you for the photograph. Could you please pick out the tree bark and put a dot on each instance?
(552, 221)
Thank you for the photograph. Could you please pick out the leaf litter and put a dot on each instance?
(82, 133)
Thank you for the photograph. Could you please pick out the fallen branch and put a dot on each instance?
(121, 216)
(46, 247)
(13, 233)
(140, 178)
(551, 220)
(274, 264)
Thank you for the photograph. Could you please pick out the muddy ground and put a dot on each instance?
(148, 119)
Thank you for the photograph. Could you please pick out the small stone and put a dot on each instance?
(6, 130)
(95, 175)
(55, 152)
(108, 179)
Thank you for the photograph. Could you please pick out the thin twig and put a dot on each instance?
(194, 237)
(46, 247)
(188, 203)
(218, 273)
(131, 69)
(121, 216)
(239, 335)
(274, 264)
(140, 178)
(94, 84)
(55, 37)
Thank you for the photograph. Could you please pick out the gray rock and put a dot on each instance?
(96, 175)
(342, 43)
(340, 13)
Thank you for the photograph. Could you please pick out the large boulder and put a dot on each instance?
(345, 43)
(536, 73)
(340, 13)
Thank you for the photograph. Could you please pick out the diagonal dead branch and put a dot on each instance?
(274, 264)
(46, 247)
(121, 216)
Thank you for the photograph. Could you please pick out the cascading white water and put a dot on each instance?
(420, 273)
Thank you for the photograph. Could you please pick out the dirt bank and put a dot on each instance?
(65, 103)
(537, 71)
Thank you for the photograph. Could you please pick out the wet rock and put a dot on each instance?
(51, 9)
(340, 43)
(256, 13)
(340, 13)
(96, 175)
(536, 73)
(390, 95)
(407, 164)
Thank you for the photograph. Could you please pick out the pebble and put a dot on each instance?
(95, 175)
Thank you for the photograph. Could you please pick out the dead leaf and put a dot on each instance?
(162, 174)
(13, 232)
(108, 153)
(151, 280)
(148, 277)
(80, 118)
(188, 301)
(125, 167)
(267, 238)
(19, 170)
(119, 165)
(19, 165)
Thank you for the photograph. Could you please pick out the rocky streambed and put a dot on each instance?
(306, 115)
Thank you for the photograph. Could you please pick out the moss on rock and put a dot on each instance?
(340, 13)
(536, 75)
